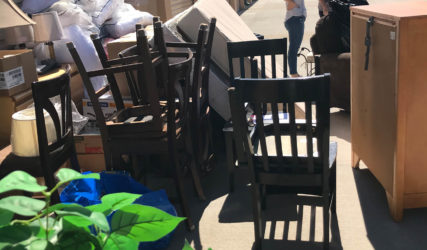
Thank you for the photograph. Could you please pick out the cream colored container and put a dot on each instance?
(23, 137)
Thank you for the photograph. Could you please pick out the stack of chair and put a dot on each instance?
(148, 128)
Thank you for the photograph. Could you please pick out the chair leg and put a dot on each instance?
(179, 182)
(229, 154)
(74, 162)
(333, 189)
(108, 159)
(196, 180)
(256, 206)
(325, 222)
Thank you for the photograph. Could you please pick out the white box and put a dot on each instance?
(107, 105)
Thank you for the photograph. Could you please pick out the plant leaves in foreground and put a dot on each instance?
(81, 216)
(22, 205)
(5, 217)
(187, 245)
(118, 241)
(79, 239)
(119, 200)
(143, 223)
(66, 175)
(14, 234)
(20, 180)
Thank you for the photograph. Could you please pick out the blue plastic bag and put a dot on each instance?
(89, 192)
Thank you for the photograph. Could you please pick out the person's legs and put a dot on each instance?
(295, 27)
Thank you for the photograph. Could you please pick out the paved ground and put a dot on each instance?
(362, 221)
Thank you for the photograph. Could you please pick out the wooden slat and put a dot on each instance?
(273, 65)
(261, 135)
(277, 134)
(294, 147)
(308, 118)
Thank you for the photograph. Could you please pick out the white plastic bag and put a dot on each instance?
(105, 10)
(124, 20)
(72, 14)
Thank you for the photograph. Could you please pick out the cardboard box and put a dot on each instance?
(17, 71)
(107, 105)
(91, 162)
(89, 141)
(161, 8)
(229, 27)
(89, 149)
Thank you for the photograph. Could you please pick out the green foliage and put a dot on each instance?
(72, 226)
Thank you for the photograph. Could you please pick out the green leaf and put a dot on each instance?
(10, 235)
(118, 241)
(66, 175)
(79, 239)
(143, 223)
(81, 216)
(38, 244)
(20, 180)
(38, 227)
(5, 217)
(119, 200)
(187, 245)
(22, 205)
(102, 208)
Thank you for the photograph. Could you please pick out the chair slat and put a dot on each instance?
(242, 66)
(309, 131)
(261, 135)
(293, 132)
(100, 92)
(273, 65)
(263, 75)
(277, 135)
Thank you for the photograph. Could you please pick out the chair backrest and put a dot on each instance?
(257, 50)
(63, 147)
(264, 162)
(144, 66)
(200, 88)
(97, 42)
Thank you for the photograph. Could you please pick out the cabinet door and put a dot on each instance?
(373, 97)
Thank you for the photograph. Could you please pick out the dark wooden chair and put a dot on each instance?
(181, 91)
(144, 129)
(200, 126)
(271, 169)
(52, 155)
(266, 53)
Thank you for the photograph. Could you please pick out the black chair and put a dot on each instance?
(271, 169)
(52, 155)
(201, 131)
(145, 129)
(266, 53)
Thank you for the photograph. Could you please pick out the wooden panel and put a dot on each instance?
(413, 87)
(396, 10)
(415, 200)
(373, 100)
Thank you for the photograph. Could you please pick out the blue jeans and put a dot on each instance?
(295, 27)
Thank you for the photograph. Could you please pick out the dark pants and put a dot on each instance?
(295, 27)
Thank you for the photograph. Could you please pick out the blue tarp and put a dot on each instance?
(89, 192)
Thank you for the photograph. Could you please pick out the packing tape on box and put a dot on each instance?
(23, 137)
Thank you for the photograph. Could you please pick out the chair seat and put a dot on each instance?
(30, 165)
(141, 126)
